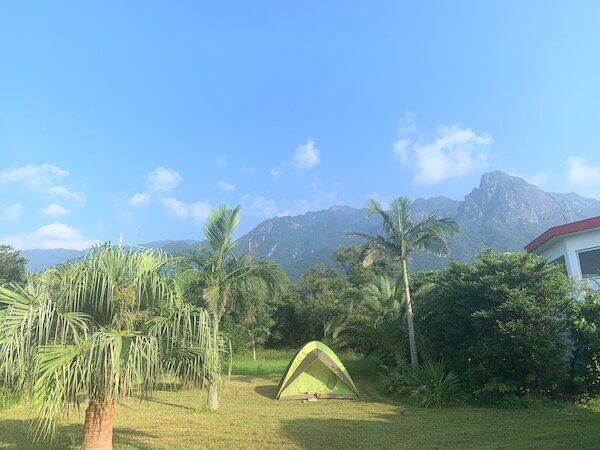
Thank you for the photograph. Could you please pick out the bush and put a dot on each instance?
(8, 398)
(584, 332)
(433, 385)
(501, 318)
(430, 385)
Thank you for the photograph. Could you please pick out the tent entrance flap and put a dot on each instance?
(316, 372)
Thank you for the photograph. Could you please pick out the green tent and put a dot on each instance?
(315, 372)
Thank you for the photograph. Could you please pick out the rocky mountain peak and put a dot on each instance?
(509, 200)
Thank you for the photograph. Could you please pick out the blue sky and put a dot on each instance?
(136, 118)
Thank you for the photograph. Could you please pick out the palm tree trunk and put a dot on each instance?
(213, 395)
(98, 427)
(253, 347)
(412, 343)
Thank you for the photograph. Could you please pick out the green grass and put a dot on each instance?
(274, 363)
(249, 418)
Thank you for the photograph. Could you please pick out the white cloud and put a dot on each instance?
(403, 143)
(258, 206)
(196, 211)
(162, 179)
(42, 178)
(581, 173)
(537, 180)
(275, 173)
(37, 177)
(455, 152)
(54, 235)
(401, 149)
(141, 198)
(61, 191)
(225, 186)
(11, 212)
(306, 156)
(55, 210)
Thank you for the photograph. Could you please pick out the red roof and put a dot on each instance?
(562, 230)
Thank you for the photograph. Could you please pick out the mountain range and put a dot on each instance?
(503, 213)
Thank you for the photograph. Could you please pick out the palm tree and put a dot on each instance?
(378, 301)
(227, 282)
(106, 327)
(401, 236)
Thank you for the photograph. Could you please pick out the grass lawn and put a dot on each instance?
(249, 418)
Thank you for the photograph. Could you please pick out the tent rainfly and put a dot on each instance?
(315, 372)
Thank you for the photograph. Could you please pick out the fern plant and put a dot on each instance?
(433, 385)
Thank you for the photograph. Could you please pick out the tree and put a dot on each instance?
(251, 327)
(403, 235)
(290, 328)
(323, 307)
(103, 328)
(584, 334)
(12, 265)
(379, 301)
(227, 281)
(502, 319)
(347, 257)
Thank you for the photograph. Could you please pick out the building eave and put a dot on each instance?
(562, 230)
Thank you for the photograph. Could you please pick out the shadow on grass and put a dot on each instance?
(168, 386)
(15, 434)
(268, 391)
(131, 438)
(440, 428)
(319, 433)
(174, 405)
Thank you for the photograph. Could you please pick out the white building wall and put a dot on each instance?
(568, 246)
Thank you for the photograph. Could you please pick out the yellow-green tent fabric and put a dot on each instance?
(316, 372)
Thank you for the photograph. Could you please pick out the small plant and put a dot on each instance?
(430, 384)
(8, 398)
(396, 372)
(433, 385)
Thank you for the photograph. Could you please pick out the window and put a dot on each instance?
(560, 261)
(589, 261)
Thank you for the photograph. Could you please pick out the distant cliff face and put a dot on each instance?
(511, 201)
(302, 241)
(503, 213)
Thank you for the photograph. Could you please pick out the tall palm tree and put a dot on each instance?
(103, 328)
(402, 235)
(227, 281)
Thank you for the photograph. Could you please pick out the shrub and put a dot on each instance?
(584, 333)
(430, 385)
(502, 317)
(433, 385)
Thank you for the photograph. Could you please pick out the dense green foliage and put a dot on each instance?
(12, 266)
(501, 318)
(584, 333)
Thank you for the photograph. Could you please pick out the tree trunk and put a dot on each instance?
(98, 427)
(412, 343)
(213, 396)
(253, 348)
